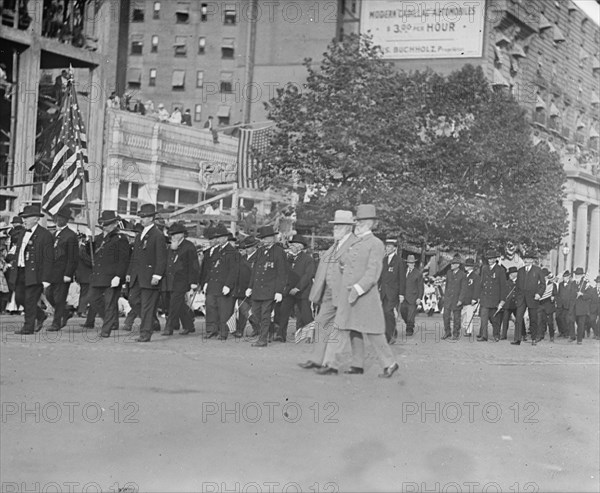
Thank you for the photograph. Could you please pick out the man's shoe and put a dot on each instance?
(104, 334)
(254, 333)
(326, 370)
(496, 339)
(127, 328)
(534, 342)
(259, 344)
(163, 333)
(53, 328)
(409, 333)
(40, 323)
(238, 335)
(392, 341)
(572, 339)
(185, 332)
(142, 339)
(221, 338)
(66, 319)
(84, 326)
(24, 332)
(309, 365)
(552, 339)
(481, 339)
(503, 338)
(579, 343)
(210, 335)
(355, 370)
(445, 336)
(389, 371)
(516, 343)
(278, 339)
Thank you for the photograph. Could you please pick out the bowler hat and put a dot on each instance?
(492, 254)
(391, 241)
(567, 274)
(17, 220)
(579, 271)
(108, 217)
(32, 210)
(147, 210)
(365, 211)
(265, 231)
(512, 270)
(218, 231)
(138, 228)
(470, 262)
(299, 239)
(529, 254)
(65, 212)
(177, 228)
(411, 259)
(546, 272)
(456, 259)
(231, 237)
(248, 242)
(342, 217)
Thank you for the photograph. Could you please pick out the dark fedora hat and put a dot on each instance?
(177, 228)
(492, 254)
(65, 212)
(147, 210)
(512, 270)
(456, 259)
(299, 239)
(265, 231)
(108, 217)
(17, 220)
(411, 259)
(567, 273)
(470, 262)
(218, 231)
(546, 272)
(248, 242)
(32, 210)
(579, 271)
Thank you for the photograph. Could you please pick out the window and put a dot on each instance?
(134, 78)
(175, 197)
(227, 49)
(226, 82)
(152, 78)
(203, 12)
(137, 45)
(200, 78)
(201, 45)
(128, 198)
(178, 80)
(182, 14)
(154, 48)
(180, 46)
(156, 12)
(229, 17)
(137, 14)
(223, 114)
(198, 113)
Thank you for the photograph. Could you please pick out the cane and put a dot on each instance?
(191, 303)
(505, 300)
(472, 316)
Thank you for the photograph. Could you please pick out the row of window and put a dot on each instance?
(181, 46)
(182, 13)
(134, 79)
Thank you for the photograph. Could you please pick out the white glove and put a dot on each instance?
(45, 284)
(67, 279)
(225, 290)
(248, 292)
(536, 297)
(115, 283)
(401, 297)
(205, 287)
(294, 291)
(194, 286)
(155, 280)
(278, 297)
(127, 278)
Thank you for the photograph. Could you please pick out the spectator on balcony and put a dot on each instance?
(113, 101)
(186, 118)
(139, 107)
(209, 123)
(175, 116)
(60, 86)
(163, 114)
(150, 111)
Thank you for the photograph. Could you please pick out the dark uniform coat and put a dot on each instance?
(244, 274)
(39, 257)
(565, 296)
(530, 283)
(393, 278)
(84, 266)
(583, 298)
(111, 258)
(269, 275)
(415, 288)
(66, 255)
(222, 270)
(183, 268)
(456, 289)
(149, 257)
(302, 270)
(493, 286)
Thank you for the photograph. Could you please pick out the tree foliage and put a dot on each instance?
(447, 161)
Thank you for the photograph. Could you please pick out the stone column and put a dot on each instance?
(593, 266)
(581, 226)
(564, 264)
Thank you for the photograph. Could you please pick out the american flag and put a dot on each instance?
(307, 332)
(66, 175)
(252, 142)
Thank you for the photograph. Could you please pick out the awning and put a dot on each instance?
(583, 55)
(224, 111)
(544, 23)
(558, 35)
(554, 111)
(183, 8)
(595, 98)
(180, 41)
(596, 64)
(498, 79)
(226, 76)
(502, 40)
(228, 42)
(178, 79)
(572, 7)
(539, 104)
(518, 51)
(134, 75)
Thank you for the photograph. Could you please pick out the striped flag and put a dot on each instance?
(65, 181)
(307, 332)
(232, 322)
(251, 142)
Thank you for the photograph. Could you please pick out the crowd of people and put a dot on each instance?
(355, 290)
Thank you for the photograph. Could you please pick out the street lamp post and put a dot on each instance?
(566, 250)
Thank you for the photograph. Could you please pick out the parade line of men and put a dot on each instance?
(357, 294)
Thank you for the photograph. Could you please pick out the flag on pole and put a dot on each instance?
(232, 322)
(66, 175)
(251, 142)
(307, 332)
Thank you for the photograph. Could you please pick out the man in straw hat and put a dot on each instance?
(34, 257)
(455, 297)
(412, 296)
(327, 287)
(111, 259)
(267, 281)
(181, 275)
(66, 257)
(146, 269)
(360, 314)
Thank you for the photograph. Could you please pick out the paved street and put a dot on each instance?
(184, 414)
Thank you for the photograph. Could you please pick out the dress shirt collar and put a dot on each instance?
(146, 229)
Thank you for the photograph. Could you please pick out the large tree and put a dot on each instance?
(447, 161)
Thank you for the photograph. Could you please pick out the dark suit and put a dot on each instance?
(583, 298)
(391, 283)
(301, 271)
(471, 295)
(148, 258)
(594, 311)
(66, 257)
(269, 276)
(111, 258)
(565, 307)
(183, 270)
(82, 275)
(456, 292)
(493, 291)
(28, 278)
(546, 311)
(243, 283)
(222, 270)
(528, 285)
(413, 291)
(509, 308)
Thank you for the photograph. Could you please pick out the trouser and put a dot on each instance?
(468, 314)
(453, 314)
(179, 311)
(218, 310)
(144, 302)
(105, 301)
(356, 341)
(57, 296)
(408, 311)
(262, 309)
(506, 313)
(326, 333)
(85, 295)
(303, 314)
(594, 320)
(28, 297)
(244, 315)
(533, 309)
(545, 320)
(389, 305)
(580, 320)
(564, 319)
(487, 315)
